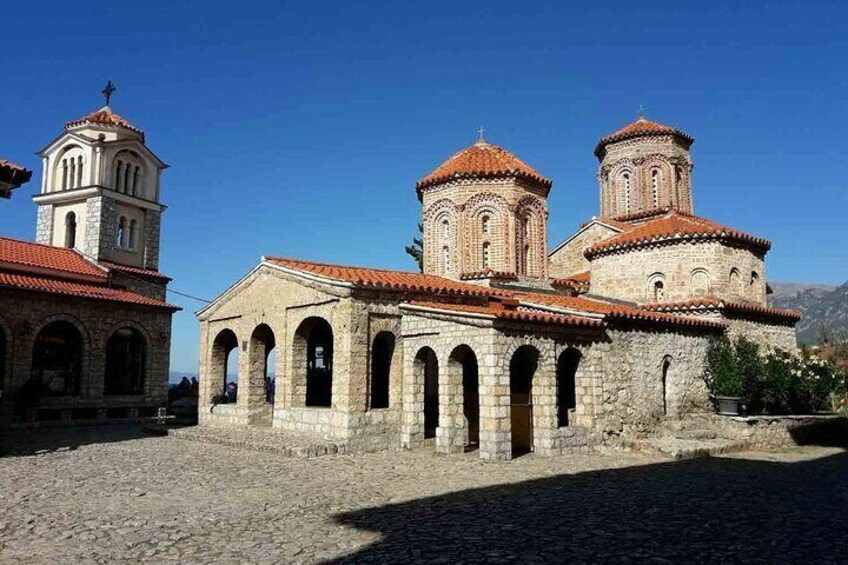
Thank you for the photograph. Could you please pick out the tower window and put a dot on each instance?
(79, 171)
(485, 225)
(486, 259)
(71, 230)
(119, 176)
(659, 291)
(446, 258)
(655, 186)
(64, 174)
(73, 173)
(625, 183)
(121, 235)
(445, 229)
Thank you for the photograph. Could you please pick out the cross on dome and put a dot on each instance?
(107, 91)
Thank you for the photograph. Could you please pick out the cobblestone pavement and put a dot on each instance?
(113, 495)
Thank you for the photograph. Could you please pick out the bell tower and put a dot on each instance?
(644, 166)
(100, 191)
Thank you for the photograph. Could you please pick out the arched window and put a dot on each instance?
(313, 358)
(446, 258)
(625, 186)
(79, 171)
(119, 176)
(128, 178)
(655, 186)
(735, 282)
(527, 262)
(64, 174)
(133, 234)
(755, 285)
(666, 366)
(484, 225)
(700, 282)
(567, 384)
(382, 353)
(70, 230)
(121, 234)
(486, 259)
(57, 359)
(125, 362)
(135, 181)
(659, 291)
(73, 173)
(446, 230)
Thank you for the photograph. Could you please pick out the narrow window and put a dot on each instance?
(119, 177)
(659, 291)
(71, 230)
(625, 178)
(64, 174)
(655, 186)
(486, 255)
(128, 178)
(79, 171)
(446, 257)
(121, 234)
(526, 259)
(73, 173)
(446, 230)
(136, 176)
(485, 225)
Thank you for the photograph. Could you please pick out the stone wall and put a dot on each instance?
(767, 335)
(44, 224)
(628, 275)
(22, 315)
(568, 259)
(140, 285)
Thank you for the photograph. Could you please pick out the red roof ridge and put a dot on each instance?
(641, 127)
(104, 115)
(483, 160)
(338, 265)
(712, 302)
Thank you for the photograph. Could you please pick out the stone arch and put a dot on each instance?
(70, 230)
(531, 237)
(436, 238)
(626, 183)
(59, 352)
(496, 209)
(127, 353)
(426, 367)
(219, 367)
(312, 363)
(261, 385)
(129, 173)
(383, 350)
(699, 282)
(735, 282)
(656, 289)
(461, 397)
(566, 383)
(69, 167)
(522, 369)
(656, 176)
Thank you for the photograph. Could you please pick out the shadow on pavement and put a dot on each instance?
(704, 510)
(43, 440)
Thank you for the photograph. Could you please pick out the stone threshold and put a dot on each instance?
(266, 440)
(676, 448)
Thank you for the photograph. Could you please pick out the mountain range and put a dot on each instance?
(825, 309)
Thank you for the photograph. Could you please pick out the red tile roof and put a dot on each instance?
(714, 303)
(79, 290)
(147, 273)
(13, 174)
(675, 225)
(639, 128)
(103, 116)
(435, 287)
(498, 311)
(485, 161)
(38, 256)
(489, 273)
(578, 283)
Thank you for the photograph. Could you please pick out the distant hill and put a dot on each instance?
(822, 306)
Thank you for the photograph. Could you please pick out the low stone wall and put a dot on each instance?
(783, 431)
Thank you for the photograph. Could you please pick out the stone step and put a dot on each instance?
(696, 434)
(676, 448)
(262, 439)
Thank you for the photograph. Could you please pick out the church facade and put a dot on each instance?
(499, 345)
(85, 329)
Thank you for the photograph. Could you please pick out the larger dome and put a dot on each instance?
(483, 161)
(639, 128)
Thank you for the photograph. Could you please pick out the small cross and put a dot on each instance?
(480, 131)
(642, 109)
(108, 90)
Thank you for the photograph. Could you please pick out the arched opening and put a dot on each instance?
(224, 367)
(625, 188)
(119, 176)
(700, 282)
(71, 230)
(735, 282)
(427, 369)
(655, 186)
(57, 359)
(261, 380)
(125, 362)
(522, 368)
(464, 362)
(666, 366)
(121, 235)
(486, 255)
(566, 378)
(382, 352)
(314, 346)
(659, 291)
(756, 293)
(79, 171)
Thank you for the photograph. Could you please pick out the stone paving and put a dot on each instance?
(114, 495)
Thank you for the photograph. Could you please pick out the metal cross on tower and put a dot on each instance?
(480, 131)
(108, 90)
(642, 109)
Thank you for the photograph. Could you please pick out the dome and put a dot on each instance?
(483, 161)
(639, 128)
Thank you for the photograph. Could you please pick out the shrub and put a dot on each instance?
(721, 372)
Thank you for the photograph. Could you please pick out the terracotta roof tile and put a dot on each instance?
(674, 225)
(147, 273)
(640, 128)
(483, 160)
(579, 282)
(708, 303)
(38, 256)
(13, 174)
(103, 116)
(77, 289)
(489, 273)
(497, 310)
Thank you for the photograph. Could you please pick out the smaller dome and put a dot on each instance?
(104, 116)
(639, 128)
(484, 161)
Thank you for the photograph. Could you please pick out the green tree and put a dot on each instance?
(416, 250)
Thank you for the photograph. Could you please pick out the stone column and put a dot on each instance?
(451, 435)
(543, 392)
(44, 225)
(495, 442)
(412, 418)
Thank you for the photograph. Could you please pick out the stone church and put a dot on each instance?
(85, 331)
(500, 345)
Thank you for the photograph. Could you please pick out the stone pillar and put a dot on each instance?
(152, 230)
(495, 442)
(543, 391)
(412, 418)
(44, 225)
(452, 434)
(251, 388)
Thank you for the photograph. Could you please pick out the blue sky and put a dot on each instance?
(300, 129)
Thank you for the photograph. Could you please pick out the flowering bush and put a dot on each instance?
(777, 382)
